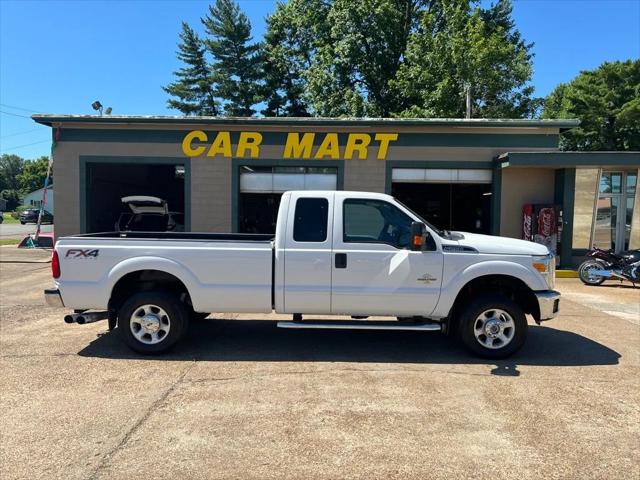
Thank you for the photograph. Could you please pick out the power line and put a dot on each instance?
(25, 145)
(18, 108)
(14, 114)
(20, 133)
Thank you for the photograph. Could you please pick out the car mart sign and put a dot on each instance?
(297, 145)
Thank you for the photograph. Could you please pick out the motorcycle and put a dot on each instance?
(606, 264)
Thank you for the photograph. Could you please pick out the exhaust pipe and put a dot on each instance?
(85, 317)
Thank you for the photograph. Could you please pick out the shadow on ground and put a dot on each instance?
(261, 340)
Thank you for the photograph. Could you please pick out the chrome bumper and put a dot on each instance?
(548, 303)
(53, 298)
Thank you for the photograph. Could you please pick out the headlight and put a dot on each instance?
(545, 264)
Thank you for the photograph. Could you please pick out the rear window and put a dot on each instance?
(311, 216)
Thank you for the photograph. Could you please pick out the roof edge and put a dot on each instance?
(51, 119)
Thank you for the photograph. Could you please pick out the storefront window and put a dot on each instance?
(614, 210)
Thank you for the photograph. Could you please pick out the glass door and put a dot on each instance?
(614, 210)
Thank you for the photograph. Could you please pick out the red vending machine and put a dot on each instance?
(540, 225)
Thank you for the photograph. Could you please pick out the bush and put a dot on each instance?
(21, 208)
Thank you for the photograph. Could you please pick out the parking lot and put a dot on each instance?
(243, 399)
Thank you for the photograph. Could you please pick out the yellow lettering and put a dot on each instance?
(357, 142)
(187, 149)
(329, 147)
(249, 141)
(297, 148)
(384, 139)
(221, 145)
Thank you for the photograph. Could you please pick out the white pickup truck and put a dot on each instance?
(333, 253)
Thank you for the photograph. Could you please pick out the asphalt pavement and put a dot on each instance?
(16, 230)
(240, 398)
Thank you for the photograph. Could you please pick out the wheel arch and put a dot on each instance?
(149, 273)
(506, 285)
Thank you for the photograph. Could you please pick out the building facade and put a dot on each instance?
(34, 199)
(227, 174)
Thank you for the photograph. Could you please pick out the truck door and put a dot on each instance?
(307, 262)
(374, 271)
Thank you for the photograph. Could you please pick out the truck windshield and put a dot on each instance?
(435, 229)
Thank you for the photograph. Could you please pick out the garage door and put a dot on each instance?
(452, 199)
(262, 187)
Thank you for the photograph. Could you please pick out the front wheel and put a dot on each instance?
(585, 272)
(152, 322)
(493, 327)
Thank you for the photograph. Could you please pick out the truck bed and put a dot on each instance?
(224, 272)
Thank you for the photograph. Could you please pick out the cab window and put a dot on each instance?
(311, 217)
(375, 221)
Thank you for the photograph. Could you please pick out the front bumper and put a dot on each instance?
(53, 298)
(548, 304)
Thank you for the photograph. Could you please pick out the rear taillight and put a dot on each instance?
(55, 265)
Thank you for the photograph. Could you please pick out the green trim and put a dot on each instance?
(85, 194)
(412, 139)
(49, 119)
(564, 191)
(496, 201)
(236, 163)
(569, 159)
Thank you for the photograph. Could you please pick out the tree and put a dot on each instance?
(236, 61)
(194, 86)
(458, 48)
(400, 57)
(607, 103)
(11, 167)
(285, 57)
(33, 174)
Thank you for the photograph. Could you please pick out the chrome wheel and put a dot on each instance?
(494, 328)
(587, 275)
(149, 324)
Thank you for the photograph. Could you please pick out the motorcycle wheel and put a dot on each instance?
(584, 272)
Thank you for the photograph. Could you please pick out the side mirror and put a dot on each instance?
(418, 234)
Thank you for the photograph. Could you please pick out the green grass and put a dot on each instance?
(7, 218)
(9, 241)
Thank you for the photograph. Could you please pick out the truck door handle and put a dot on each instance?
(341, 260)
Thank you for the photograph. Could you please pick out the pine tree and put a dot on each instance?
(194, 85)
(285, 57)
(236, 61)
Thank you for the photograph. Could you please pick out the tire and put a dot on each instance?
(171, 317)
(478, 321)
(583, 272)
(23, 223)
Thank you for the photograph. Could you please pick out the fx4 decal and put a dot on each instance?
(79, 253)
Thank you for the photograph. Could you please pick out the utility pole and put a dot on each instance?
(467, 92)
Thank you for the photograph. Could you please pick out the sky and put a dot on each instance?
(58, 56)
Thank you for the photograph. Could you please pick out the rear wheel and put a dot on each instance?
(493, 326)
(152, 322)
(585, 272)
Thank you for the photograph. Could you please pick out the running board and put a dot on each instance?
(343, 325)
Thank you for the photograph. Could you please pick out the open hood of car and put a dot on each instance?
(145, 204)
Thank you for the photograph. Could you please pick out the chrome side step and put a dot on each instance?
(344, 325)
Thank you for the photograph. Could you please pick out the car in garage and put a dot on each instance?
(31, 216)
(148, 214)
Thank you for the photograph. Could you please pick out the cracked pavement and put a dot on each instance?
(240, 398)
